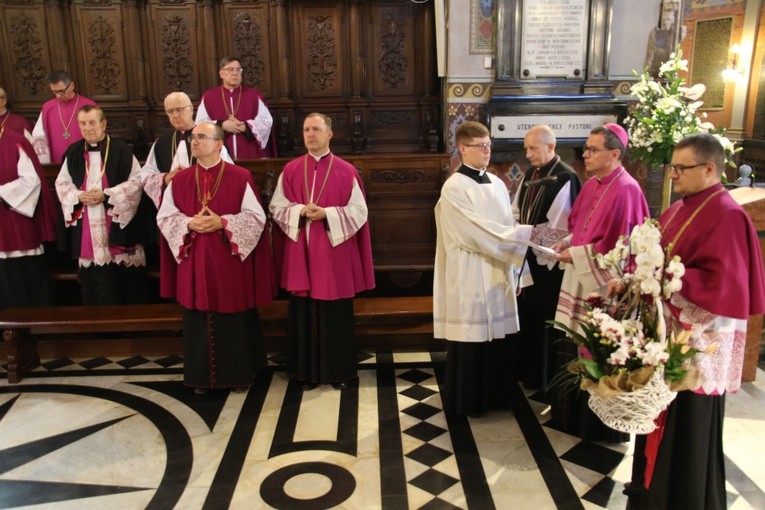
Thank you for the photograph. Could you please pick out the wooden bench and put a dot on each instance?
(394, 322)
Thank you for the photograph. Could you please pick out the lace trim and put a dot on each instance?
(544, 235)
(153, 185)
(136, 258)
(262, 132)
(69, 196)
(124, 199)
(721, 368)
(99, 236)
(176, 232)
(243, 231)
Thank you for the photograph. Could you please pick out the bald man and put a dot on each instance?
(212, 219)
(169, 154)
(545, 198)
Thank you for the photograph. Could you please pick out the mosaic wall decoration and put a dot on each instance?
(482, 31)
(710, 56)
(701, 4)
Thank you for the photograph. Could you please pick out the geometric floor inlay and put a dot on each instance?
(125, 433)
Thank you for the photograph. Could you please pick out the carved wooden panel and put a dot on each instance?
(100, 42)
(398, 125)
(25, 55)
(392, 66)
(401, 194)
(247, 36)
(173, 49)
(319, 64)
(369, 64)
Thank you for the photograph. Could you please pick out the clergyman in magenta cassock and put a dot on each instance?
(610, 204)
(681, 464)
(222, 275)
(27, 220)
(240, 103)
(327, 260)
(11, 121)
(56, 127)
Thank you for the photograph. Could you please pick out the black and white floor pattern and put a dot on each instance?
(125, 433)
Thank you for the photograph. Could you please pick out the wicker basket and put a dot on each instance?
(634, 412)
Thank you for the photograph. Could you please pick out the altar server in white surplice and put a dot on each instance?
(474, 287)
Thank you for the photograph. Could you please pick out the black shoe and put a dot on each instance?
(308, 386)
(474, 414)
(340, 385)
(633, 489)
(200, 391)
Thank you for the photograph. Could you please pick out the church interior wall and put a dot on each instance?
(370, 65)
(696, 12)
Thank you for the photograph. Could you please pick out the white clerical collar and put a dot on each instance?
(209, 167)
(318, 158)
(480, 171)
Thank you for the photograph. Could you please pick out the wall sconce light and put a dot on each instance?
(732, 72)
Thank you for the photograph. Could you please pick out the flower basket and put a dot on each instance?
(629, 358)
(633, 412)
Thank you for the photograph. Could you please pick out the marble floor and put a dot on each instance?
(125, 433)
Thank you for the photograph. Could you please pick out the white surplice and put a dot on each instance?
(477, 248)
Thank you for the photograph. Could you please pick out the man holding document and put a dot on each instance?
(610, 204)
(545, 198)
(478, 250)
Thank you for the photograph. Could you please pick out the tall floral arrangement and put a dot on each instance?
(627, 359)
(666, 112)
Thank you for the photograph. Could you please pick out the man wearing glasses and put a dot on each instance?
(681, 464)
(478, 248)
(241, 112)
(56, 128)
(169, 154)
(212, 219)
(610, 204)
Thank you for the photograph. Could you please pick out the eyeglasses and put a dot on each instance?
(201, 138)
(176, 111)
(481, 146)
(682, 168)
(593, 150)
(237, 70)
(61, 92)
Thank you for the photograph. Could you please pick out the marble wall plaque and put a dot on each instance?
(565, 126)
(554, 39)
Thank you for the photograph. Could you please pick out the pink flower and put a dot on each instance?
(596, 301)
(584, 353)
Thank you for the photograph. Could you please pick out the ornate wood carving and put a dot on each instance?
(393, 62)
(358, 133)
(177, 67)
(248, 41)
(393, 118)
(400, 176)
(362, 62)
(104, 68)
(27, 51)
(320, 59)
